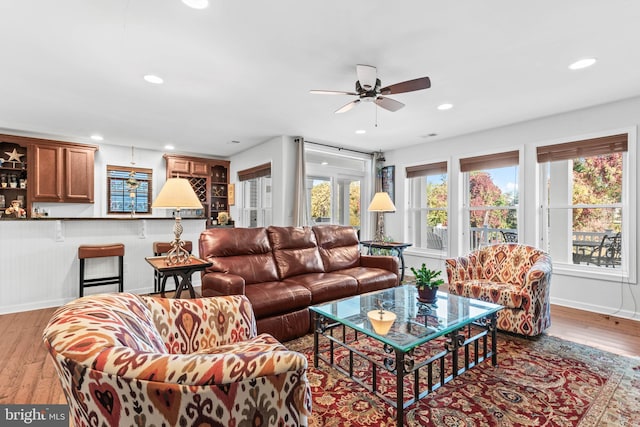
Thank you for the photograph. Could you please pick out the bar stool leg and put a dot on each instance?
(81, 277)
(121, 274)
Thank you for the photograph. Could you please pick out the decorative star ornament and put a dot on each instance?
(14, 156)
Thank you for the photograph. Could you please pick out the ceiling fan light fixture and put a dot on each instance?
(445, 106)
(582, 63)
(197, 4)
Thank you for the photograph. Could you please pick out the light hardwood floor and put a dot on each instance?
(27, 375)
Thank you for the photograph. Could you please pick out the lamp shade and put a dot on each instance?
(177, 193)
(381, 203)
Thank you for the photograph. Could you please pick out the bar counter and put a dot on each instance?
(39, 264)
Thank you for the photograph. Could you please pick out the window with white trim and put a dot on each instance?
(584, 188)
(428, 216)
(255, 208)
(491, 198)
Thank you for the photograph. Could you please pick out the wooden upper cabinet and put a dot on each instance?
(46, 179)
(79, 167)
(63, 173)
(186, 166)
(199, 168)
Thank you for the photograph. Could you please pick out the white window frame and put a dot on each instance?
(422, 211)
(466, 204)
(628, 270)
(263, 208)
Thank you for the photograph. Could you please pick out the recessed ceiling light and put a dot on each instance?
(583, 63)
(154, 79)
(324, 163)
(97, 137)
(169, 147)
(361, 131)
(197, 4)
(445, 106)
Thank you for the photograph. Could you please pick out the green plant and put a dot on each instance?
(427, 278)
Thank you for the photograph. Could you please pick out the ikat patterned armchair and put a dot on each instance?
(513, 275)
(125, 359)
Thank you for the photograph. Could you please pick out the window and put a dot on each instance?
(491, 198)
(128, 189)
(256, 204)
(320, 195)
(428, 206)
(583, 192)
(334, 186)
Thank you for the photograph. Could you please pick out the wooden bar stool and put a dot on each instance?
(100, 251)
(159, 279)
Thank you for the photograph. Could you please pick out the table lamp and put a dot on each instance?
(177, 194)
(381, 203)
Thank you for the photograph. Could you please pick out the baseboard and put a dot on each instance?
(55, 302)
(605, 311)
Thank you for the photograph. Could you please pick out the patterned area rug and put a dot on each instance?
(539, 382)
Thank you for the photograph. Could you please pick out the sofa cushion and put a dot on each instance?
(371, 279)
(338, 245)
(245, 252)
(504, 294)
(508, 263)
(270, 298)
(295, 251)
(325, 286)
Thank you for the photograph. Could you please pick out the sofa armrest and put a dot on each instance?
(216, 283)
(389, 263)
(538, 279)
(197, 369)
(465, 267)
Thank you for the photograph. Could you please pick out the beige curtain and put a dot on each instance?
(301, 214)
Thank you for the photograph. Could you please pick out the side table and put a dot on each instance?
(398, 247)
(164, 270)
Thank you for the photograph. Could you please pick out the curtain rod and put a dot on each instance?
(340, 148)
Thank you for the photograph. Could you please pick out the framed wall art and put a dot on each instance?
(388, 181)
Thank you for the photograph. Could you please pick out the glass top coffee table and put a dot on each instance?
(427, 345)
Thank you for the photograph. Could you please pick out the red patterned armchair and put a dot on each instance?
(513, 275)
(125, 359)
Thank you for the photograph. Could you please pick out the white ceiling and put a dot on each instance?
(242, 70)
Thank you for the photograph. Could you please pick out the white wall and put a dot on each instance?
(39, 264)
(281, 153)
(604, 295)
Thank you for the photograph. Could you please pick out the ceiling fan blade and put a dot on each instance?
(332, 92)
(367, 76)
(388, 103)
(408, 86)
(347, 107)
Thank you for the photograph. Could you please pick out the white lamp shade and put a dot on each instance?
(381, 203)
(177, 193)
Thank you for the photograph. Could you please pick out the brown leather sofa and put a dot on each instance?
(284, 270)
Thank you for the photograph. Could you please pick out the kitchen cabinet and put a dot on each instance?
(63, 173)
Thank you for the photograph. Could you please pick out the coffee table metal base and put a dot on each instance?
(477, 340)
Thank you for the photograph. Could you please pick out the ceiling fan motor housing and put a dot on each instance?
(367, 93)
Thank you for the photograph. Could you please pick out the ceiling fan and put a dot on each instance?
(368, 89)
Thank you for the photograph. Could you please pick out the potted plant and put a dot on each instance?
(427, 283)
